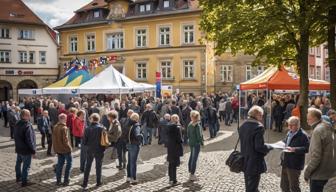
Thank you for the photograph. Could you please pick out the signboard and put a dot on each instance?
(167, 90)
(158, 84)
(18, 72)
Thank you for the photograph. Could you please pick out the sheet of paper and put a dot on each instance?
(278, 145)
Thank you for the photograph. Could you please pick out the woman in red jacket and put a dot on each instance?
(78, 127)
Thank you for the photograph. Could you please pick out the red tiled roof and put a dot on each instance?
(93, 5)
(15, 11)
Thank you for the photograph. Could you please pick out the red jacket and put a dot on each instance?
(78, 127)
(70, 120)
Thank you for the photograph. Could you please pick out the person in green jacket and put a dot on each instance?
(194, 131)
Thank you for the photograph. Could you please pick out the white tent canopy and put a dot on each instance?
(30, 91)
(110, 81)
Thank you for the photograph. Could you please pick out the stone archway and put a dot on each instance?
(27, 84)
(6, 90)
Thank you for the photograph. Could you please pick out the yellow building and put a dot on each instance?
(149, 36)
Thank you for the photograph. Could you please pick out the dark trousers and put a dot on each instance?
(222, 116)
(172, 171)
(77, 141)
(194, 152)
(11, 132)
(71, 139)
(227, 118)
(252, 182)
(317, 185)
(290, 181)
(99, 163)
(49, 141)
(5, 118)
(83, 156)
(121, 151)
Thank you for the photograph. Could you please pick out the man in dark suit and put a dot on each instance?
(253, 148)
(292, 161)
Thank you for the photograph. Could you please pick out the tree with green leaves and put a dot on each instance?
(332, 53)
(276, 32)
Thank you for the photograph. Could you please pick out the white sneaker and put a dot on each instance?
(128, 179)
(134, 181)
(193, 178)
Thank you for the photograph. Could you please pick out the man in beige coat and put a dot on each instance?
(322, 151)
(62, 147)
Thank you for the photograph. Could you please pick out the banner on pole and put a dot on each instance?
(158, 84)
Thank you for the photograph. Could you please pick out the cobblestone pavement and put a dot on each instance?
(152, 170)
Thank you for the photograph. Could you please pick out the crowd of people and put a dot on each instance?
(132, 121)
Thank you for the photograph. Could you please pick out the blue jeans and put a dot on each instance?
(212, 130)
(148, 134)
(61, 158)
(99, 163)
(133, 152)
(194, 152)
(22, 174)
(317, 185)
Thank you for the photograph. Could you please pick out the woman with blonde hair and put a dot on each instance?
(174, 147)
(194, 132)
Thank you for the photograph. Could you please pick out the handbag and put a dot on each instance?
(235, 160)
(104, 141)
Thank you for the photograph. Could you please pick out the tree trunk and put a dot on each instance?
(332, 54)
(304, 80)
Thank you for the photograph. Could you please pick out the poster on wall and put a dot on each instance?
(158, 84)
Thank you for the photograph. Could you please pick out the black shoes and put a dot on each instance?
(26, 184)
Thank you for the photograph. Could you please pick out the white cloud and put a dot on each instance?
(55, 12)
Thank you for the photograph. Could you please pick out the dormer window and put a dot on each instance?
(96, 14)
(142, 8)
(166, 4)
(148, 7)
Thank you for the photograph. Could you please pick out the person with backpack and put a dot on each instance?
(149, 121)
(114, 131)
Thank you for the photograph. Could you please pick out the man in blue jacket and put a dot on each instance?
(292, 161)
(25, 147)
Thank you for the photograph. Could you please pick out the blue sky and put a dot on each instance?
(55, 12)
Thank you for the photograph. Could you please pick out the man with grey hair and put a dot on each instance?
(253, 148)
(293, 159)
(321, 166)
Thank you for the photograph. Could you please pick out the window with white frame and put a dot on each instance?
(188, 69)
(91, 42)
(327, 74)
(318, 51)
(311, 71)
(141, 37)
(311, 51)
(165, 3)
(43, 57)
(96, 14)
(166, 70)
(148, 7)
(188, 34)
(226, 73)
(164, 34)
(141, 70)
(318, 72)
(115, 40)
(5, 56)
(26, 34)
(248, 73)
(73, 44)
(260, 70)
(27, 57)
(4, 33)
(142, 8)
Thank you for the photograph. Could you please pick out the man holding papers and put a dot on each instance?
(293, 157)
